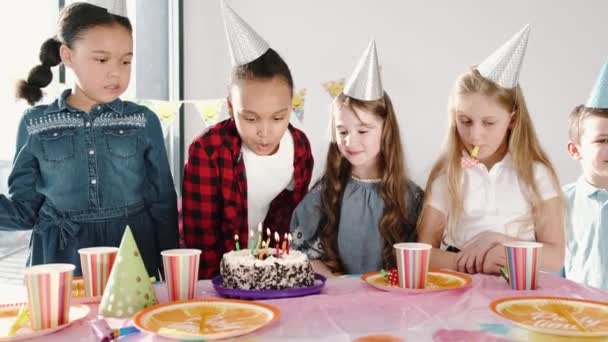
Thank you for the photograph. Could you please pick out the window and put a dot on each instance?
(24, 45)
(154, 76)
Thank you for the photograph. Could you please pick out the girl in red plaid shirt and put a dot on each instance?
(251, 168)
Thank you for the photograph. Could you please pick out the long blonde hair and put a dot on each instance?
(522, 142)
(394, 224)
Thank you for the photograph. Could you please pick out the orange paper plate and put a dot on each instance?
(8, 313)
(440, 280)
(220, 318)
(538, 314)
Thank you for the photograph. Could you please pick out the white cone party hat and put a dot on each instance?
(504, 65)
(244, 43)
(365, 83)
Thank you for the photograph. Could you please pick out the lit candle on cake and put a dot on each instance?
(236, 242)
(250, 242)
(288, 242)
(269, 235)
(261, 251)
(257, 245)
(276, 240)
(284, 245)
(267, 247)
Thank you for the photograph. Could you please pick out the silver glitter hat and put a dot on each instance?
(504, 65)
(244, 43)
(365, 83)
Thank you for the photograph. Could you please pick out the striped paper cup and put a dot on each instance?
(49, 291)
(412, 263)
(96, 263)
(181, 272)
(522, 263)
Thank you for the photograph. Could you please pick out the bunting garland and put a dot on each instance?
(298, 103)
(334, 88)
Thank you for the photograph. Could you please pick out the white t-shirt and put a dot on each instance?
(492, 201)
(267, 177)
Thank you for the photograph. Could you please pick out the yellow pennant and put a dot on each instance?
(209, 110)
(334, 88)
(298, 103)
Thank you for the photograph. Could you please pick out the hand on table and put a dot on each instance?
(471, 259)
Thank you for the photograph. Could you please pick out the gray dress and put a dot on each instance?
(359, 241)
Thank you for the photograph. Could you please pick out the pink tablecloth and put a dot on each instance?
(348, 308)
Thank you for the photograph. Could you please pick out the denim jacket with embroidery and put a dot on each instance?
(90, 166)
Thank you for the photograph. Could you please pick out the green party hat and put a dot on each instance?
(129, 288)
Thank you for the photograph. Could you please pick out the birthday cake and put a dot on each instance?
(246, 271)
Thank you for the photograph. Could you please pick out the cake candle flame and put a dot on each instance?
(284, 244)
(236, 242)
(261, 251)
(276, 240)
(268, 239)
(250, 241)
(257, 245)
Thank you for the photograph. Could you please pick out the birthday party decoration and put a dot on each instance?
(129, 288)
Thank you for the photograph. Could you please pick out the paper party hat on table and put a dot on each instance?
(116, 7)
(599, 94)
(129, 288)
(244, 43)
(365, 83)
(504, 65)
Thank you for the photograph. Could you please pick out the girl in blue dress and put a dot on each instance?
(365, 202)
(89, 164)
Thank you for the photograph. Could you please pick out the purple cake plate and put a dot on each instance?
(268, 294)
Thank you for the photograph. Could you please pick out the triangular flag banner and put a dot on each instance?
(165, 110)
(599, 94)
(129, 288)
(334, 88)
(210, 110)
(298, 103)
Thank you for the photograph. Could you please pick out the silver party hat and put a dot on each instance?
(504, 65)
(244, 43)
(365, 83)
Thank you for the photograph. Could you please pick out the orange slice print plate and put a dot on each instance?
(8, 313)
(205, 319)
(440, 280)
(539, 314)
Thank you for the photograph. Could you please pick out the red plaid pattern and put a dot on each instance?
(214, 192)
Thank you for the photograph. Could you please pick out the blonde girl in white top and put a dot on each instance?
(509, 192)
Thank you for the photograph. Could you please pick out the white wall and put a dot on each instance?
(422, 46)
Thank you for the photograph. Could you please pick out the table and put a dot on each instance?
(348, 308)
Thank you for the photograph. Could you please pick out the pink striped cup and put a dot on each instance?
(181, 272)
(412, 263)
(96, 263)
(49, 291)
(522, 263)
